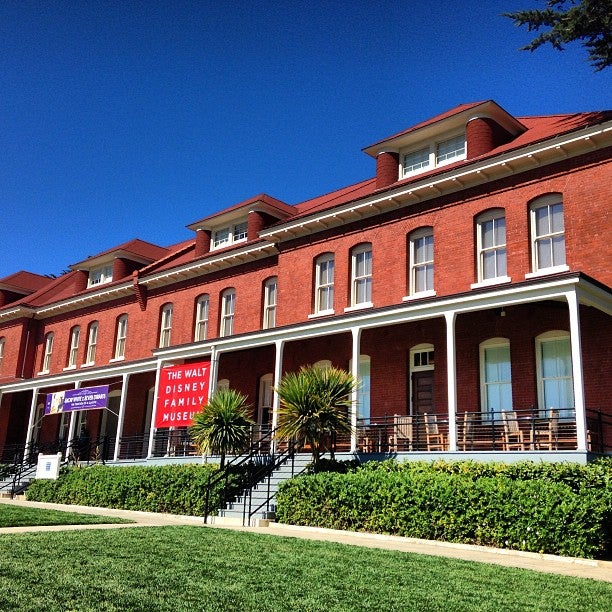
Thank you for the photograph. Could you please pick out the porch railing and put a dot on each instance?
(519, 430)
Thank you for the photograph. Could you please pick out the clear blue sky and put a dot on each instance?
(123, 119)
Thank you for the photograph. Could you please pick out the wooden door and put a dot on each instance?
(423, 392)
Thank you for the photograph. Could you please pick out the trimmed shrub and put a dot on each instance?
(563, 509)
(175, 489)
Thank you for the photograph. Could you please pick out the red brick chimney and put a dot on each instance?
(387, 168)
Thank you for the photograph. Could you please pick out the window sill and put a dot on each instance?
(547, 271)
(361, 306)
(321, 313)
(115, 359)
(68, 368)
(43, 372)
(88, 365)
(418, 296)
(498, 280)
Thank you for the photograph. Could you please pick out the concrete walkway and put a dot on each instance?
(568, 566)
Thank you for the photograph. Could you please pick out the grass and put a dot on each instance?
(20, 516)
(193, 568)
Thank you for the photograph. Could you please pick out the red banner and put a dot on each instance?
(183, 390)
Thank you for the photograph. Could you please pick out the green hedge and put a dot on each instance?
(176, 489)
(562, 509)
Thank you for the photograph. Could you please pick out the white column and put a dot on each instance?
(356, 354)
(72, 426)
(160, 363)
(451, 373)
(278, 374)
(577, 371)
(33, 405)
(214, 370)
(120, 419)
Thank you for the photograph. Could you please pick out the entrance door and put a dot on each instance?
(423, 392)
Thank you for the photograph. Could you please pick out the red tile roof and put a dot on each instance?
(24, 282)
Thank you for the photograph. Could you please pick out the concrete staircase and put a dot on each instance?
(26, 476)
(262, 494)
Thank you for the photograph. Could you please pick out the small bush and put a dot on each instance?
(562, 509)
(175, 489)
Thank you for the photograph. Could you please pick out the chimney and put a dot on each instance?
(202, 243)
(387, 168)
(484, 134)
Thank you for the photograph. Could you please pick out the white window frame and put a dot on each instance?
(490, 412)
(230, 234)
(48, 352)
(2, 343)
(498, 248)
(92, 343)
(363, 390)
(201, 318)
(324, 284)
(427, 156)
(361, 281)
(416, 238)
(547, 202)
(165, 326)
(228, 312)
(555, 336)
(266, 398)
(270, 300)
(73, 351)
(121, 338)
(100, 275)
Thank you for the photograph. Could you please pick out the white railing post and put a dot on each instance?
(121, 417)
(356, 354)
(451, 373)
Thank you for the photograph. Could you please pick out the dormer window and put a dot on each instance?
(101, 275)
(434, 155)
(230, 235)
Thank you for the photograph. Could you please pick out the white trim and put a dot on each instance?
(490, 282)
(322, 313)
(497, 342)
(547, 271)
(366, 279)
(324, 258)
(419, 296)
(359, 306)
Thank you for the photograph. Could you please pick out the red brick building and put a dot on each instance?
(468, 280)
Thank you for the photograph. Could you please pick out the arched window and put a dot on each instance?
(495, 377)
(361, 275)
(201, 318)
(548, 233)
(92, 343)
(324, 284)
(73, 351)
(48, 352)
(121, 337)
(491, 246)
(165, 326)
(554, 370)
(422, 262)
(228, 310)
(269, 303)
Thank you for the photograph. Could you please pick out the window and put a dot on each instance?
(201, 318)
(422, 262)
(361, 285)
(363, 390)
(495, 377)
(228, 309)
(266, 393)
(92, 342)
(269, 314)
(324, 284)
(73, 352)
(554, 366)
(48, 352)
(548, 233)
(2, 341)
(165, 326)
(491, 246)
(101, 275)
(450, 150)
(230, 235)
(122, 322)
(433, 155)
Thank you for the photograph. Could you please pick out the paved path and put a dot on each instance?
(568, 566)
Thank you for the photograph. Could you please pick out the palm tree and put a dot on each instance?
(223, 425)
(314, 405)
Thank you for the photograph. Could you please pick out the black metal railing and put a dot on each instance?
(256, 462)
(528, 429)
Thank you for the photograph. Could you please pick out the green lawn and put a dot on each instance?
(20, 516)
(194, 568)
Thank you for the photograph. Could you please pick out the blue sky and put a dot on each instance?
(124, 119)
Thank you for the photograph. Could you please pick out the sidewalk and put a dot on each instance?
(567, 566)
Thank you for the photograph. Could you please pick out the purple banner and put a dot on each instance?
(91, 398)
